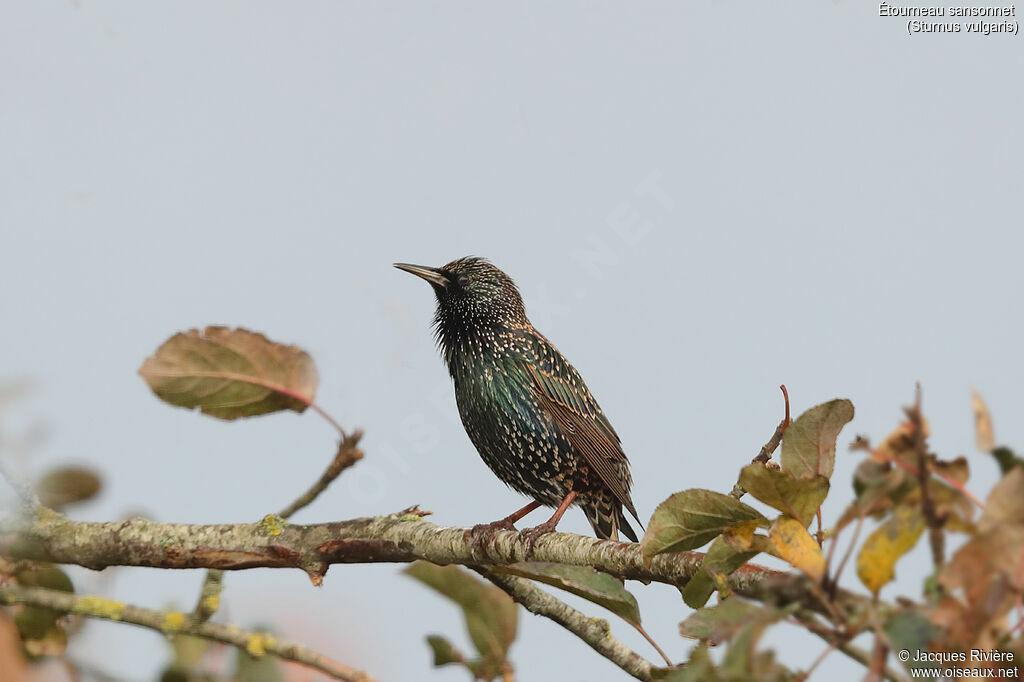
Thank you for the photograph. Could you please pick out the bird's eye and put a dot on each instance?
(462, 280)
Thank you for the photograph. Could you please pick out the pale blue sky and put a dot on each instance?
(835, 206)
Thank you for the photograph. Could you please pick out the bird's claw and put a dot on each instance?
(480, 533)
(529, 537)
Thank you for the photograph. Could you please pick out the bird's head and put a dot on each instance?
(471, 291)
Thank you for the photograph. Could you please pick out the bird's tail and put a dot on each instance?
(606, 516)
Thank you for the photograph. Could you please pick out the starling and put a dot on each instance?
(525, 408)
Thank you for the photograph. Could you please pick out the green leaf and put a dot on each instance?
(230, 373)
(722, 622)
(800, 498)
(911, 630)
(583, 581)
(491, 615)
(67, 485)
(809, 443)
(1006, 459)
(262, 669)
(719, 562)
(444, 652)
(692, 518)
(878, 555)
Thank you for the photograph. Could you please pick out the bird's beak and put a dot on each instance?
(432, 275)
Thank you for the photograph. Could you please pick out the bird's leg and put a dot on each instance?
(530, 535)
(478, 534)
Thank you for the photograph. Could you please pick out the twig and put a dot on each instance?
(935, 536)
(842, 644)
(593, 631)
(876, 669)
(209, 596)
(768, 448)
(650, 640)
(169, 622)
(347, 455)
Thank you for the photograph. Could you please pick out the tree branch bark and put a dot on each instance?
(398, 538)
(594, 631)
(170, 622)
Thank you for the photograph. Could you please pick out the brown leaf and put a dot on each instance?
(67, 485)
(231, 373)
(983, 433)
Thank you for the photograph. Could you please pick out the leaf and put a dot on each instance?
(444, 652)
(800, 498)
(790, 541)
(583, 581)
(692, 518)
(984, 436)
(911, 630)
(722, 622)
(490, 613)
(262, 669)
(809, 443)
(230, 373)
(1006, 459)
(718, 563)
(67, 485)
(878, 555)
(1005, 503)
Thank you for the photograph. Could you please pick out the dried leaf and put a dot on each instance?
(67, 485)
(583, 581)
(983, 433)
(809, 443)
(1005, 503)
(692, 518)
(491, 615)
(230, 373)
(878, 555)
(800, 498)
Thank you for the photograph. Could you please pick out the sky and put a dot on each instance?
(699, 201)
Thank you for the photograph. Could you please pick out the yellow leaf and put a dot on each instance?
(740, 536)
(791, 542)
(878, 556)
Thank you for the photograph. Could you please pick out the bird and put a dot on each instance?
(524, 406)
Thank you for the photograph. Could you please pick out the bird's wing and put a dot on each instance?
(561, 392)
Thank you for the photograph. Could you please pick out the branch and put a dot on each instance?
(401, 538)
(170, 622)
(936, 539)
(594, 631)
(768, 448)
(347, 455)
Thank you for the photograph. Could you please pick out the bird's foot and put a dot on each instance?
(480, 533)
(529, 536)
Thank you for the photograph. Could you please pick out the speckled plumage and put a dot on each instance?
(525, 408)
